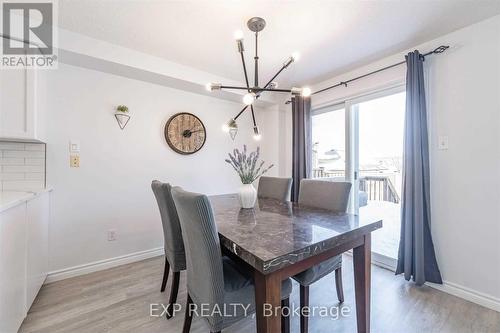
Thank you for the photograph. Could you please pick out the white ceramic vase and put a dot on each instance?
(247, 195)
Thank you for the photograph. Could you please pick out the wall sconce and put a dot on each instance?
(122, 116)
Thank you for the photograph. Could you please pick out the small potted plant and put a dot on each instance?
(122, 108)
(122, 116)
(246, 167)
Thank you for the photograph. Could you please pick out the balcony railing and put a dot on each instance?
(378, 188)
(321, 173)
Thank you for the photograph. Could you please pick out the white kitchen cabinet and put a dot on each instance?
(21, 111)
(12, 268)
(20, 116)
(14, 118)
(37, 219)
(24, 223)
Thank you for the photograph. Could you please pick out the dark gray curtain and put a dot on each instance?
(301, 142)
(416, 258)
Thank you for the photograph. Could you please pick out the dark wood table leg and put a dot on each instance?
(362, 283)
(268, 301)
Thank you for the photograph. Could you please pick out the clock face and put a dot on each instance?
(185, 133)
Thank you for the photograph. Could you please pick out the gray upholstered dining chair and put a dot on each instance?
(212, 279)
(332, 196)
(175, 257)
(275, 188)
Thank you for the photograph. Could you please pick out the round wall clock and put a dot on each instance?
(185, 133)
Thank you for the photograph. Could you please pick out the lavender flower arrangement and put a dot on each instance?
(245, 165)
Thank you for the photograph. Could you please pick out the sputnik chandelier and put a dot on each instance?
(255, 24)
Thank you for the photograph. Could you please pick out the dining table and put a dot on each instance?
(281, 239)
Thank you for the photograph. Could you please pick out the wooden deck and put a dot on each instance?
(385, 241)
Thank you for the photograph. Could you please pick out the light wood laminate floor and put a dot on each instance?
(118, 300)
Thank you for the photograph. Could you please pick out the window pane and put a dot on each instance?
(328, 144)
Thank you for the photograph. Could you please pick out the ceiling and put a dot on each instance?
(331, 36)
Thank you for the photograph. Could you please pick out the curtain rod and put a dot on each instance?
(437, 50)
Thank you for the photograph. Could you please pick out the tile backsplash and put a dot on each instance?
(22, 166)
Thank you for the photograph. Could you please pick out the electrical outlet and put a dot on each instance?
(111, 235)
(74, 161)
(443, 143)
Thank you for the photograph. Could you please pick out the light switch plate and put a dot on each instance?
(74, 146)
(443, 142)
(74, 161)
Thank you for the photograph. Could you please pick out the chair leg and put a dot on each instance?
(173, 294)
(166, 270)
(285, 320)
(188, 317)
(304, 302)
(338, 284)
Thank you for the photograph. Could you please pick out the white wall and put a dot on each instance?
(111, 189)
(463, 104)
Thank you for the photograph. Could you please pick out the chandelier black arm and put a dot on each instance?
(253, 116)
(272, 79)
(259, 90)
(239, 114)
(233, 87)
(275, 75)
(255, 90)
(245, 70)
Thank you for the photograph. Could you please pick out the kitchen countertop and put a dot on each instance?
(9, 199)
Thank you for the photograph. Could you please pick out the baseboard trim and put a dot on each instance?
(447, 286)
(467, 294)
(102, 264)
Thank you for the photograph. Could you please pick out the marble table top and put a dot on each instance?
(275, 234)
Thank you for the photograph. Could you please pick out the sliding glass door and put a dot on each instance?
(378, 162)
(361, 141)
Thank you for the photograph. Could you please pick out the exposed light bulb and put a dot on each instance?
(256, 133)
(306, 92)
(213, 86)
(238, 35)
(294, 57)
(248, 98)
(241, 48)
(230, 124)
